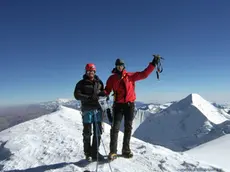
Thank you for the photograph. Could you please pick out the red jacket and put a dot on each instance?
(124, 87)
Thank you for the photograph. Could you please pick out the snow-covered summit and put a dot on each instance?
(212, 113)
(185, 124)
(53, 142)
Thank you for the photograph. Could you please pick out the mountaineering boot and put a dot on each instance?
(98, 157)
(112, 156)
(127, 154)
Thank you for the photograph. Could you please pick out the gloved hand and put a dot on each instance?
(156, 59)
(102, 94)
(109, 115)
(94, 97)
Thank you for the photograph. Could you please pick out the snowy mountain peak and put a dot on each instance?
(195, 97)
(184, 124)
(205, 108)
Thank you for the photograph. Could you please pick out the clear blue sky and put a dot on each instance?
(45, 44)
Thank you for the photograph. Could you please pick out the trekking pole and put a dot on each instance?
(97, 131)
(106, 154)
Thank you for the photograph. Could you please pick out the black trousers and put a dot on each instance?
(120, 110)
(87, 132)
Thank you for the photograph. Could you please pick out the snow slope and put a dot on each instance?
(185, 124)
(54, 143)
(223, 108)
(142, 112)
(227, 108)
(208, 152)
(13, 115)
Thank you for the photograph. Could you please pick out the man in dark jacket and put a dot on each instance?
(88, 91)
(122, 83)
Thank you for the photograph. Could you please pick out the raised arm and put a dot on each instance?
(143, 74)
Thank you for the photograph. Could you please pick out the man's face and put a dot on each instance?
(120, 67)
(90, 73)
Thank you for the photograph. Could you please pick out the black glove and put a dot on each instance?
(156, 59)
(102, 94)
(94, 97)
(109, 115)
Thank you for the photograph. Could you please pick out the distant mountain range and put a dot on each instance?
(10, 116)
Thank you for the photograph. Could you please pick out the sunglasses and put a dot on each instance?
(90, 71)
(120, 65)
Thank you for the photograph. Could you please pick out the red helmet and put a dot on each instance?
(90, 66)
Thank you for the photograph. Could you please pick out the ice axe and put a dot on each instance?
(159, 68)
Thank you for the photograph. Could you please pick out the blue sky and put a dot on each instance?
(44, 46)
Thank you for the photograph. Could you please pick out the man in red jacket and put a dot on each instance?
(122, 83)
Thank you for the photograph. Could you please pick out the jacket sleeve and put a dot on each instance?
(143, 74)
(78, 94)
(102, 90)
(109, 86)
